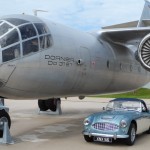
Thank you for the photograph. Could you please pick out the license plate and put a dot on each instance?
(103, 139)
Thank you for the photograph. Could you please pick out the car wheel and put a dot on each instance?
(88, 139)
(148, 131)
(132, 135)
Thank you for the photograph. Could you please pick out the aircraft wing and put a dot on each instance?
(126, 36)
(138, 38)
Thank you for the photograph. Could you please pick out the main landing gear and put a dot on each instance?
(53, 104)
(5, 123)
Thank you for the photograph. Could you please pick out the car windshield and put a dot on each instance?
(124, 106)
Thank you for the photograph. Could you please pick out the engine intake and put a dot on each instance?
(144, 52)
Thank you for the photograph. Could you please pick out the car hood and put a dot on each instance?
(114, 116)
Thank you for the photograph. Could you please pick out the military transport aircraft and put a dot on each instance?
(44, 60)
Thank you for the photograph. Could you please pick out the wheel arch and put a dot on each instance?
(135, 123)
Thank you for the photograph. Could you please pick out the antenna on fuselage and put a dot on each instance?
(36, 11)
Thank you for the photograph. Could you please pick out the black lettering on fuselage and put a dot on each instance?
(59, 60)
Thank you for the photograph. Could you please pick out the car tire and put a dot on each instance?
(148, 131)
(132, 135)
(88, 139)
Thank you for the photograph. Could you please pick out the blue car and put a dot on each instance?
(123, 118)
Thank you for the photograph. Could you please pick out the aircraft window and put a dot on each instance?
(4, 28)
(108, 64)
(30, 46)
(9, 38)
(45, 41)
(42, 29)
(121, 67)
(11, 53)
(131, 67)
(16, 21)
(27, 31)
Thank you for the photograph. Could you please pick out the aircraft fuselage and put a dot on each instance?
(74, 64)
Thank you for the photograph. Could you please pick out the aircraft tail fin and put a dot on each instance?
(145, 17)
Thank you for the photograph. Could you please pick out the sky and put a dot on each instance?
(86, 15)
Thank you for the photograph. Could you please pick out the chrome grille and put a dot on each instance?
(105, 126)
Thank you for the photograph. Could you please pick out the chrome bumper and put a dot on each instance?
(114, 136)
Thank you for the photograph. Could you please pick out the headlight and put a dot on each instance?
(123, 123)
(86, 122)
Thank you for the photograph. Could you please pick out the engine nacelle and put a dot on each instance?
(144, 52)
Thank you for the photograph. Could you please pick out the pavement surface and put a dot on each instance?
(46, 131)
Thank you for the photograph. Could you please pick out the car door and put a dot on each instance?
(143, 122)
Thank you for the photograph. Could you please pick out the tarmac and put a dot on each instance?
(45, 131)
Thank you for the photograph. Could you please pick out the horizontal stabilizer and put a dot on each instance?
(123, 25)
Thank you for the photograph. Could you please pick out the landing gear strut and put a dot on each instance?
(51, 104)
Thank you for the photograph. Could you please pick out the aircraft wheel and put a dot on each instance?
(52, 104)
(4, 117)
(42, 105)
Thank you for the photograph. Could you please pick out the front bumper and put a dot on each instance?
(114, 136)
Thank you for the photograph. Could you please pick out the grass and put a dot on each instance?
(142, 93)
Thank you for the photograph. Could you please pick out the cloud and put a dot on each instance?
(80, 14)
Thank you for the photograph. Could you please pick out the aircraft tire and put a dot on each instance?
(42, 105)
(52, 104)
(4, 116)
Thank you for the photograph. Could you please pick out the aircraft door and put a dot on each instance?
(83, 66)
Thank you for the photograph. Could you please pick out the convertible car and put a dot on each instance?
(123, 118)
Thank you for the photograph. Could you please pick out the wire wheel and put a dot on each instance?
(132, 135)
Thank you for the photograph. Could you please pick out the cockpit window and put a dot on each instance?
(45, 41)
(11, 53)
(27, 31)
(30, 46)
(25, 39)
(42, 29)
(8, 40)
(4, 28)
(16, 21)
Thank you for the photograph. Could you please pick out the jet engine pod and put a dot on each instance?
(144, 52)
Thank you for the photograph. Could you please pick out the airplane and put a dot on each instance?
(44, 60)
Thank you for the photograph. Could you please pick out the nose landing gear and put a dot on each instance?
(53, 104)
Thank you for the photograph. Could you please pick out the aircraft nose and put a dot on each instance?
(10, 50)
